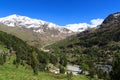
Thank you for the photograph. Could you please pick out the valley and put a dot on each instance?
(32, 49)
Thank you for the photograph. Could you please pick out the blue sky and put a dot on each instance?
(61, 12)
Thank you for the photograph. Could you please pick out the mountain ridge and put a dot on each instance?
(37, 24)
(92, 47)
(26, 22)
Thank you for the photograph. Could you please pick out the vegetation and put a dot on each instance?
(116, 67)
(18, 61)
(97, 52)
(93, 48)
(25, 54)
(70, 76)
(8, 71)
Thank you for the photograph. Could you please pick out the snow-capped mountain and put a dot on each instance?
(26, 22)
(80, 27)
(77, 27)
(38, 32)
(112, 18)
(21, 21)
(41, 26)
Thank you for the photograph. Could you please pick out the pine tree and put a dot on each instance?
(115, 73)
(34, 63)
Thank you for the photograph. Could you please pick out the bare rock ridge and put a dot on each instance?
(112, 18)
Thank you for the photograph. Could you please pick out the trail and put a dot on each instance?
(43, 47)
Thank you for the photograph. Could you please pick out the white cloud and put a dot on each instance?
(83, 26)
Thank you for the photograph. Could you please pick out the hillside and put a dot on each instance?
(9, 71)
(92, 47)
(25, 54)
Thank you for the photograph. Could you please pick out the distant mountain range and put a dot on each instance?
(40, 25)
(38, 32)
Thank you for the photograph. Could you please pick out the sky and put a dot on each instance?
(61, 12)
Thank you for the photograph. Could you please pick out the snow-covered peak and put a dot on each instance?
(80, 27)
(77, 27)
(21, 21)
(40, 25)
(26, 22)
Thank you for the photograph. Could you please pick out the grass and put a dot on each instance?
(80, 78)
(10, 72)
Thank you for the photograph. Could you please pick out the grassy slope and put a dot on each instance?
(8, 71)
(35, 39)
(24, 34)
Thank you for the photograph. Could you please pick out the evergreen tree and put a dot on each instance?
(63, 60)
(115, 73)
(1, 59)
(34, 63)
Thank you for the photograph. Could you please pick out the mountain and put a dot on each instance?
(40, 25)
(35, 32)
(104, 37)
(112, 18)
(38, 32)
(92, 47)
(26, 22)
(77, 27)
(106, 32)
(80, 27)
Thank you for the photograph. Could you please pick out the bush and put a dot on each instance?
(62, 70)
